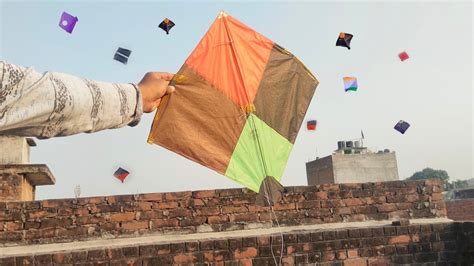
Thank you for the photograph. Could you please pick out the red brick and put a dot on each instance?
(204, 194)
(167, 205)
(192, 203)
(185, 258)
(255, 208)
(38, 214)
(62, 258)
(88, 220)
(290, 249)
(321, 195)
(309, 204)
(54, 203)
(46, 259)
(13, 226)
(352, 253)
(121, 217)
(245, 217)
(158, 223)
(151, 197)
(399, 239)
(208, 211)
(179, 213)
(355, 262)
(163, 249)
(113, 253)
(284, 206)
(208, 256)
(353, 202)
(263, 240)
(328, 256)
(144, 206)
(81, 212)
(217, 219)
(234, 209)
(341, 255)
(243, 253)
(178, 195)
(192, 221)
(30, 225)
(437, 196)
(135, 225)
(389, 207)
(96, 255)
(378, 261)
(54, 222)
(344, 210)
(412, 197)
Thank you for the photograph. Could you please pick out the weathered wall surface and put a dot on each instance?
(14, 150)
(460, 210)
(213, 210)
(440, 244)
(360, 168)
(15, 187)
(320, 171)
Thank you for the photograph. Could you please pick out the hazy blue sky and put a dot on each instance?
(432, 90)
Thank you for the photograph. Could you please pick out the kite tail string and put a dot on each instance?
(248, 109)
(279, 228)
(265, 189)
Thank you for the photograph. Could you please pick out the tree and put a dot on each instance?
(429, 173)
(459, 184)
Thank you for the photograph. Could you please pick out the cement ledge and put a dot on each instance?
(24, 250)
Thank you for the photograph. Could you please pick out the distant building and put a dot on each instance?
(353, 163)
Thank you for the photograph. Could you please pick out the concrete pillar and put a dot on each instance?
(18, 182)
(18, 178)
(15, 150)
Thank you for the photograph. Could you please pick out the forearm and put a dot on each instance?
(56, 104)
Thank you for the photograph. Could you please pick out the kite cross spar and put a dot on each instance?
(234, 73)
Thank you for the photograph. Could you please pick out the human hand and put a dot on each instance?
(153, 87)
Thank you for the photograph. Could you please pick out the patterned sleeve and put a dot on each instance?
(55, 104)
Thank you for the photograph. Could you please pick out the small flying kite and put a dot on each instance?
(350, 84)
(311, 125)
(68, 22)
(122, 55)
(403, 56)
(344, 40)
(121, 174)
(402, 126)
(166, 25)
(240, 100)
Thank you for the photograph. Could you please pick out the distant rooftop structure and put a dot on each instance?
(353, 163)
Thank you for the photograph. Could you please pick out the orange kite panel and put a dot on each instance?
(232, 58)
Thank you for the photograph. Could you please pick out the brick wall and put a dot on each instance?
(460, 210)
(66, 220)
(11, 186)
(444, 243)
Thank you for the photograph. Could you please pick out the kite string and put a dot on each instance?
(258, 141)
(279, 228)
(265, 189)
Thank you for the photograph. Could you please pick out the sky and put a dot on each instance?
(433, 90)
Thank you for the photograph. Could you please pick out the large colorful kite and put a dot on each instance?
(239, 103)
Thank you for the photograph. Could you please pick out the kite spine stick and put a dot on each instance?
(283, 50)
(241, 73)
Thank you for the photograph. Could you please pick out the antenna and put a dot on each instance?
(77, 191)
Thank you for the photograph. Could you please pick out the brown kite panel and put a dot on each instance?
(285, 93)
(198, 122)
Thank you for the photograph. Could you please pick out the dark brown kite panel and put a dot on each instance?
(285, 93)
(206, 122)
